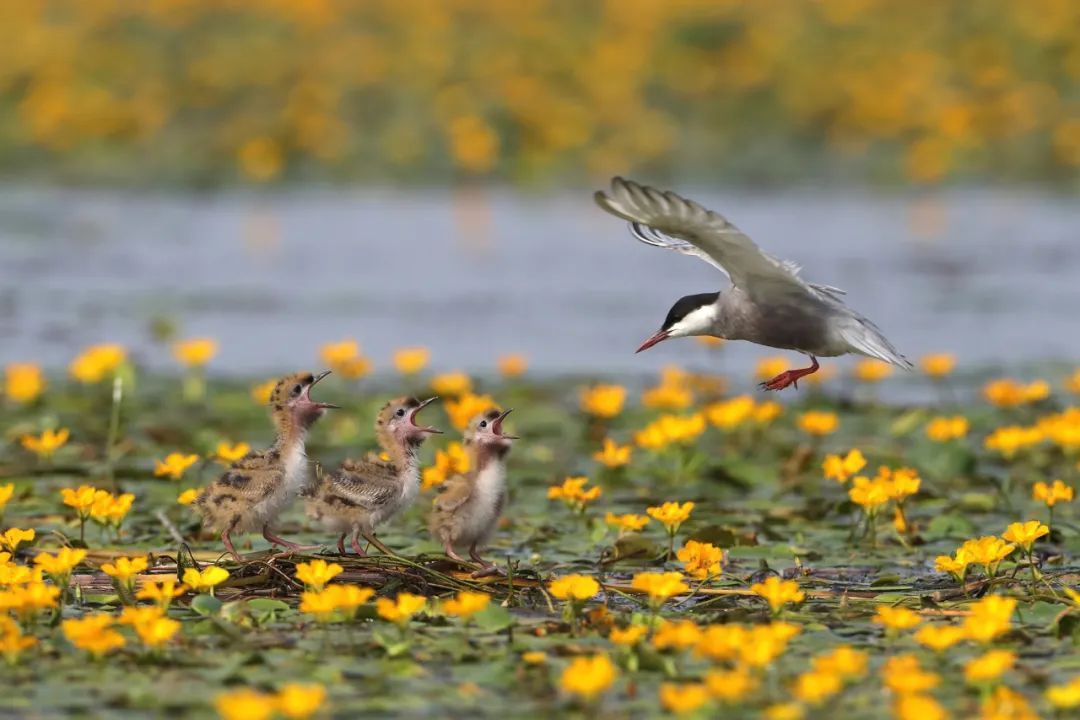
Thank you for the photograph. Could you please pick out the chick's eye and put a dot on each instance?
(296, 389)
(400, 412)
(483, 423)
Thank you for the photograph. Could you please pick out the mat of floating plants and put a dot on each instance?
(671, 548)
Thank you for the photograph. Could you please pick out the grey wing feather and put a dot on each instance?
(866, 338)
(366, 492)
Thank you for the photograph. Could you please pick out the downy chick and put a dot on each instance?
(259, 486)
(363, 494)
(469, 505)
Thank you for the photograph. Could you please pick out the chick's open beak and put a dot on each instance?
(307, 393)
(496, 425)
(417, 409)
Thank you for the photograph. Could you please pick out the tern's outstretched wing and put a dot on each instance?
(667, 220)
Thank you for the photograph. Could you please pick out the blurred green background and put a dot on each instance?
(539, 91)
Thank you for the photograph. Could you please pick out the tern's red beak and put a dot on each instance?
(658, 336)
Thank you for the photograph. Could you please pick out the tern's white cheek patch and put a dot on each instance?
(697, 322)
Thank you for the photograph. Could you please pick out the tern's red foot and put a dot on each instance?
(790, 377)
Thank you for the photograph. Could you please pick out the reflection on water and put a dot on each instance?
(989, 275)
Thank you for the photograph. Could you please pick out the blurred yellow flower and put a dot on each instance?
(939, 638)
(868, 494)
(770, 367)
(989, 666)
(452, 460)
(573, 493)
(227, 453)
(668, 396)
(260, 393)
(938, 365)
(188, 496)
(778, 593)
(784, 711)
(336, 354)
(153, 630)
(868, 370)
(12, 640)
(534, 657)
(81, 499)
(671, 514)
(611, 455)
(174, 465)
(451, 384)
(588, 677)
(903, 675)
(944, 429)
(47, 443)
(1052, 494)
(764, 643)
(245, 704)
(93, 634)
(401, 609)
(684, 698)
(13, 537)
(816, 687)
(1006, 392)
(818, 423)
(512, 365)
(766, 412)
(709, 341)
(109, 509)
(989, 618)
(466, 407)
(843, 660)
(1025, 534)
(603, 401)
(315, 574)
(466, 604)
(627, 523)
(575, 588)
(730, 414)
(677, 635)
(916, 706)
(124, 569)
(6, 491)
(701, 561)
(659, 586)
(842, 467)
(298, 701)
(1065, 696)
(339, 597)
(897, 618)
(668, 429)
(23, 382)
(195, 352)
(206, 579)
(260, 159)
(730, 686)
(96, 362)
(628, 636)
(1072, 383)
(987, 551)
(411, 360)
(160, 592)
(1011, 439)
(60, 565)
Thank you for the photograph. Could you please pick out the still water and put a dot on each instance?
(991, 275)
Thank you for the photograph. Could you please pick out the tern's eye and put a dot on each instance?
(483, 423)
(400, 412)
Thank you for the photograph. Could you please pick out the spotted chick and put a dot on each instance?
(255, 489)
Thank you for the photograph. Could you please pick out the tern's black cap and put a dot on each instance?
(686, 305)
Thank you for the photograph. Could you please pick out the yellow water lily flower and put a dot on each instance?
(245, 704)
(317, 573)
(206, 579)
(195, 352)
(588, 677)
(512, 365)
(174, 465)
(937, 365)
(701, 561)
(23, 382)
(659, 586)
(1051, 494)
(1025, 534)
(45, 444)
(97, 362)
(818, 423)
(574, 588)
(400, 609)
(228, 453)
(684, 698)
(603, 401)
(298, 701)
(842, 467)
(92, 633)
(411, 360)
(466, 604)
(612, 455)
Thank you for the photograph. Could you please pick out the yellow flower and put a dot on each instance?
(903, 675)
(868, 494)
(701, 560)
(680, 635)
(778, 593)
(12, 574)
(1066, 696)
(206, 579)
(1006, 704)
(1025, 534)
(987, 551)
(154, 631)
(298, 701)
(669, 429)
(47, 443)
(410, 361)
(764, 643)
(627, 523)
(767, 411)
(124, 569)
(957, 567)
(671, 515)
(659, 586)
(245, 704)
(784, 711)
(938, 365)
(868, 370)
(816, 687)
(989, 666)
(317, 573)
(195, 352)
(588, 677)
(628, 636)
(109, 509)
(534, 657)
(12, 640)
(466, 604)
(1051, 494)
(322, 604)
(227, 453)
(97, 362)
(575, 588)
(612, 455)
(512, 365)
(338, 353)
(915, 706)
(160, 592)
(452, 384)
(603, 401)
(684, 698)
(840, 468)
(188, 496)
(730, 685)
(769, 367)
(1011, 439)
(261, 392)
(1009, 393)
(93, 634)
(23, 382)
(668, 396)
(6, 491)
(900, 483)
(466, 407)
(451, 461)
(939, 637)
(400, 609)
(897, 618)
(989, 618)
(844, 661)
(709, 341)
(573, 493)
(13, 537)
(818, 423)
(27, 599)
(944, 429)
(60, 565)
(730, 414)
(174, 465)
